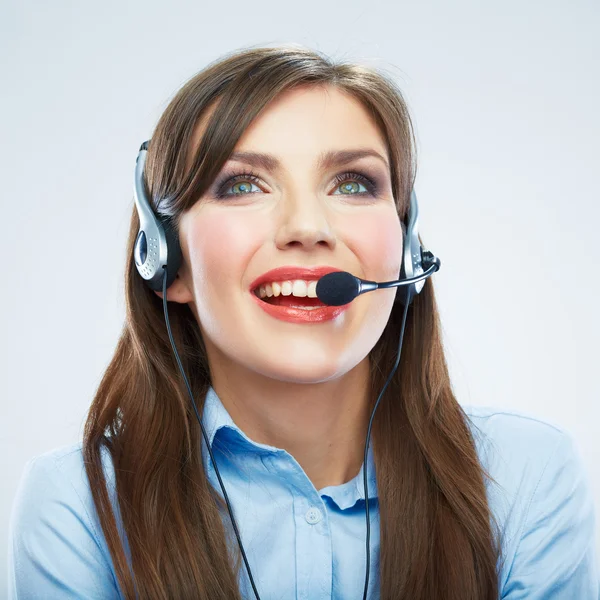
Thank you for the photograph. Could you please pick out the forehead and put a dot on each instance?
(306, 120)
(311, 114)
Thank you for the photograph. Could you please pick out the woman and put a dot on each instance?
(275, 158)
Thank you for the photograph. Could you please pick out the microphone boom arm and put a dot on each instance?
(368, 286)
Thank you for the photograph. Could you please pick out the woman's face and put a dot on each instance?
(296, 214)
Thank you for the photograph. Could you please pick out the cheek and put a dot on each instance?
(378, 244)
(220, 244)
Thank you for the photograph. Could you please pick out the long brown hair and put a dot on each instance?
(436, 529)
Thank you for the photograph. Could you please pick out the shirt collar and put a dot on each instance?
(348, 494)
(218, 424)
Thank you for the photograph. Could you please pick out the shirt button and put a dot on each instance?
(313, 515)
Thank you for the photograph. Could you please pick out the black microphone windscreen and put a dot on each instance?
(337, 288)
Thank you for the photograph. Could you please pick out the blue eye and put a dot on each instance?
(244, 183)
(350, 184)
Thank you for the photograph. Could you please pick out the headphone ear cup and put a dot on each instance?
(401, 290)
(174, 256)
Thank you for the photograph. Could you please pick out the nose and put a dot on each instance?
(304, 223)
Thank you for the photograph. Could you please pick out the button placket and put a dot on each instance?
(314, 558)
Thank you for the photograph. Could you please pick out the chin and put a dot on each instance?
(308, 369)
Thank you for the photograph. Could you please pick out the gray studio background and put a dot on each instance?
(505, 102)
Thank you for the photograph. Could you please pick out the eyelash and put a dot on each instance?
(229, 180)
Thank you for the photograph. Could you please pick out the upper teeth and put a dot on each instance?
(296, 287)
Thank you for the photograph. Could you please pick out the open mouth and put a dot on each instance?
(291, 301)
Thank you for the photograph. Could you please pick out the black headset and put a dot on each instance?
(157, 255)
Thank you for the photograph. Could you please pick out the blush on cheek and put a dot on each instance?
(221, 244)
(378, 244)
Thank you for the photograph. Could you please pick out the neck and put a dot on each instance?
(322, 425)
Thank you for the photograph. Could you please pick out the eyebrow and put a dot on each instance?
(326, 160)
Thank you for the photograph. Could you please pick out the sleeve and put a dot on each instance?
(53, 550)
(556, 557)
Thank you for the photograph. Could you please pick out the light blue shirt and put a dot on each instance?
(309, 544)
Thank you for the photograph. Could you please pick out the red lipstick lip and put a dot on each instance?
(299, 315)
(291, 272)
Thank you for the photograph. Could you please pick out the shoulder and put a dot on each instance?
(510, 422)
(61, 471)
(56, 543)
(539, 493)
(502, 433)
(517, 448)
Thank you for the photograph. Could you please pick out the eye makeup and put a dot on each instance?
(230, 177)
